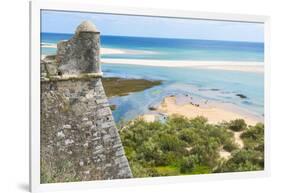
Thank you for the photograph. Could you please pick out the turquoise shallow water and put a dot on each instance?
(214, 85)
(171, 49)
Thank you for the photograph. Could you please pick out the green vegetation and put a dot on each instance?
(182, 146)
(251, 157)
(114, 86)
(237, 125)
(112, 107)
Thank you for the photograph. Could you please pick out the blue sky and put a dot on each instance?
(139, 26)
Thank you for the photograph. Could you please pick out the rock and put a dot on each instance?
(60, 134)
(43, 68)
(152, 108)
(86, 144)
(50, 58)
(85, 119)
(68, 141)
(211, 89)
(67, 126)
(241, 96)
(51, 68)
(81, 163)
(86, 172)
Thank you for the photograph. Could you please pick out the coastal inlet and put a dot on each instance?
(117, 106)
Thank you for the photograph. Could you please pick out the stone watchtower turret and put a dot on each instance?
(81, 54)
(79, 138)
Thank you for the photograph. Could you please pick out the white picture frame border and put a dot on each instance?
(34, 146)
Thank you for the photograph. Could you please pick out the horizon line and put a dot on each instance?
(260, 42)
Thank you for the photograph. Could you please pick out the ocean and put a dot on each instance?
(220, 86)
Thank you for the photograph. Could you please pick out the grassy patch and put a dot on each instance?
(114, 86)
(168, 170)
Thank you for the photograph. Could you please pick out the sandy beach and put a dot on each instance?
(213, 114)
(103, 50)
(218, 65)
(257, 67)
(106, 50)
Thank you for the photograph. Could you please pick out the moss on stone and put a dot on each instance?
(112, 107)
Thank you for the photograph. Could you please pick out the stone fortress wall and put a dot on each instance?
(79, 138)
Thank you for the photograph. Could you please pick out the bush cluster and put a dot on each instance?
(182, 146)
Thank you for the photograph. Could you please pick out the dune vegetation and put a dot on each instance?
(181, 146)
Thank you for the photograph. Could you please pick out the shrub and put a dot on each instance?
(170, 143)
(230, 146)
(188, 164)
(199, 122)
(237, 125)
(254, 137)
(186, 167)
(188, 135)
(244, 160)
(178, 122)
(190, 146)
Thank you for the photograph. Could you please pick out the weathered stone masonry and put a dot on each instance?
(78, 134)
